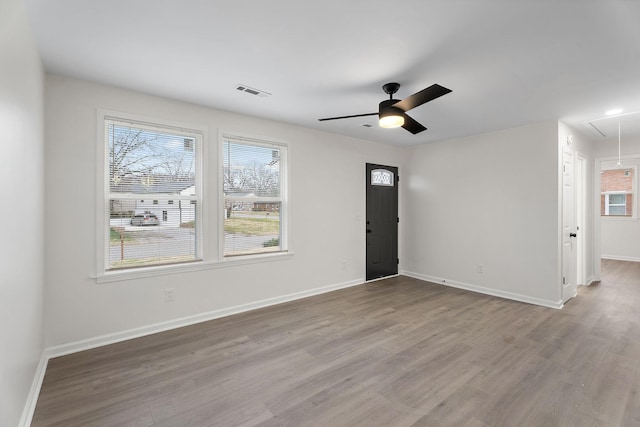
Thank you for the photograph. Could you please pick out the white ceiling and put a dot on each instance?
(508, 62)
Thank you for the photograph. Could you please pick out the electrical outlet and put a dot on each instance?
(480, 268)
(169, 295)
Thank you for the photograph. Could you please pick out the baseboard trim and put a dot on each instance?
(34, 392)
(620, 258)
(99, 341)
(487, 291)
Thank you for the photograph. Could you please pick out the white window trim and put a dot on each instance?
(284, 189)
(209, 258)
(163, 270)
(101, 193)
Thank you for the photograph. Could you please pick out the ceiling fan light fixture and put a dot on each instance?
(392, 112)
(389, 122)
(391, 118)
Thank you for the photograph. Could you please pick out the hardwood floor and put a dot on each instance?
(397, 352)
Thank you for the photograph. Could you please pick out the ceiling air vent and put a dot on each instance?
(252, 91)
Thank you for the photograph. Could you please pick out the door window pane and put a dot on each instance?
(382, 177)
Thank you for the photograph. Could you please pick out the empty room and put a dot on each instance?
(338, 213)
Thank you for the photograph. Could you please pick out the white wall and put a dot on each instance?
(490, 200)
(620, 237)
(22, 178)
(327, 201)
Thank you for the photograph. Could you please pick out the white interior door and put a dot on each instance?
(569, 229)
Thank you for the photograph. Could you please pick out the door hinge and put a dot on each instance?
(563, 281)
(397, 260)
(398, 220)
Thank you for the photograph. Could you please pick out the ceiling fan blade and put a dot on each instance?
(348, 117)
(411, 125)
(425, 95)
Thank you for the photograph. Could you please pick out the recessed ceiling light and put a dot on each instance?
(614, 111)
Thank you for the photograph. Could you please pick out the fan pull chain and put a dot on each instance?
(619, 164)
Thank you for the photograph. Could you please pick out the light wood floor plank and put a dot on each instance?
(610, 389)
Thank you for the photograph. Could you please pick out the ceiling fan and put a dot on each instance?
(392, 113)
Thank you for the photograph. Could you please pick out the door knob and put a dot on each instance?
(573, 235)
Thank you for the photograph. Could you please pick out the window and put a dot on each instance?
(615, 204)
(146, 168)
(253, 187)
(153, 209)
(382, 177)
(616, 192)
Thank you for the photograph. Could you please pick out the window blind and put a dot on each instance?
(153, 194)
(253, 202)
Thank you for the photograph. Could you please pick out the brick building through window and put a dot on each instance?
(616, 193)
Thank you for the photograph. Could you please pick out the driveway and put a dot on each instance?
(165, 241)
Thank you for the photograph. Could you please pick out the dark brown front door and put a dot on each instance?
(382, 221)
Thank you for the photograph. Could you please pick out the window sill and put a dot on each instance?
(144, 272)
(618, 218)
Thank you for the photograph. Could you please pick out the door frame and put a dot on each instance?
(597, 219)
(568, 229)
(580, 189)
(396, 171)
